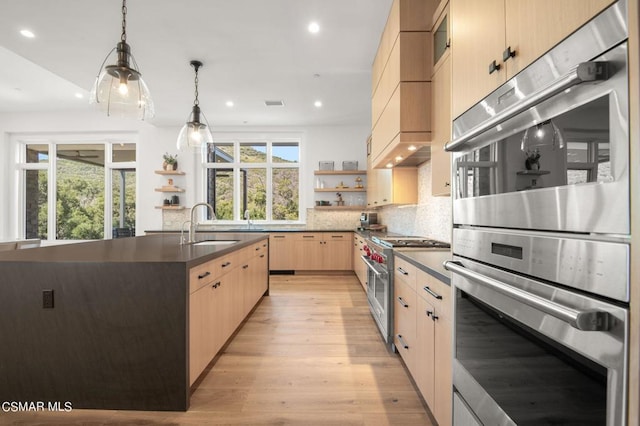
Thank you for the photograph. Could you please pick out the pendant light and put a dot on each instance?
(119, 89)
(545, 134)
(195, 134)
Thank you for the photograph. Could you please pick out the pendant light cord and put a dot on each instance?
(123, 36)
(196, 101)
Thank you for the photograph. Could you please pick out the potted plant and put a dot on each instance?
(170, 161)
(533, 160)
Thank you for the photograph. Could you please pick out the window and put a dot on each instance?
(77, 190)
(258, 176)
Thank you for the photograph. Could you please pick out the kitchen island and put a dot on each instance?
(106, 324)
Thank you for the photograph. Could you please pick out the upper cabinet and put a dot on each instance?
(493, 40)
(401, 86)
(441, 103)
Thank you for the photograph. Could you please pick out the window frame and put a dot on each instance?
(20, 143)
(237, 166)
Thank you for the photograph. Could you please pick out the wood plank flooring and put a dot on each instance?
(309, 354)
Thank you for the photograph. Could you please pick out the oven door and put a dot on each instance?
(549, 145)
(528, 353)
(378, 296)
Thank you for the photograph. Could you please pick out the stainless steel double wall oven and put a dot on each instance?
(541, 239)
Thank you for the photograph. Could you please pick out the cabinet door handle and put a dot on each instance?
(278, 236)
(225, 264)
(402, 302)
(257, 248)
(216, 285)
(507, 54)
(402, 271)
(434, 317)
(262, 255)
(447, 184)
(206, 274)
(245, 266)
(429, 313)
(433, 293)
(337, 236)
(493, 67)
(402, 342)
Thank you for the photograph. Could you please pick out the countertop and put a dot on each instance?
(429, 261)
(247, 230)
(148, 248)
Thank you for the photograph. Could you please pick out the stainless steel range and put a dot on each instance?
(379, 261)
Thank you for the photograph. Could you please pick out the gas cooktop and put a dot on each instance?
(412, 242)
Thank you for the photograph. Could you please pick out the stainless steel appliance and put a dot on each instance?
(368, 219)
(379, 261)
(579, 92)
(541, 243)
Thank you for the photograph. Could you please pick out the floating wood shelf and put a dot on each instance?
(340, 189)
(169, 172)
(169, 189)
(340, 172)
(170, 207)
(533, 172)
(339, 207)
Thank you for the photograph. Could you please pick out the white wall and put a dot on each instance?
(431, 217)
(337, 143)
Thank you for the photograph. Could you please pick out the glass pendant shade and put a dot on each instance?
(545, 134)
(119, 89)
(194, 134)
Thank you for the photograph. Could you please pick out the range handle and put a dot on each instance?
(581, 320)
(372, 267)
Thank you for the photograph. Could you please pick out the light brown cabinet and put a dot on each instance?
(323, 251)
(423, 308)
(441, 108)
(401, 89)
(222, 292)
(398, 185)
(486, 34)
(281, 249)
(311, 251)
(359, 268)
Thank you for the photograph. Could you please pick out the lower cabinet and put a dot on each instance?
(428, 331)
(310, 251)
(359, 267)
(222, 293)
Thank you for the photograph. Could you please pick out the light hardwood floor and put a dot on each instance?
(309, 354)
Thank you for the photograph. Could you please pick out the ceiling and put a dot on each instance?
(252, 50)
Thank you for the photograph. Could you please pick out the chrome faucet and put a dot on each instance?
(194, 224)
(182, 240)
(247, 217)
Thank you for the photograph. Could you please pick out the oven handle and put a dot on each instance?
(582, 320)
(372, 267)
(583, 72)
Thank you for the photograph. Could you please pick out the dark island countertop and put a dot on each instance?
(242, 230)
(149, 248)
(430, 261)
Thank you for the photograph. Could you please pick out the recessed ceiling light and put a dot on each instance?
(412, 148)
(27, 33)
(389, 165)
(79, 95)
(398, 158)
(313, 27)
(229, 104)
(317, 104)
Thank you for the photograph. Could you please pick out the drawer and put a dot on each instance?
(405, 272)
(201, 275)
(405, 309)
(435, 292)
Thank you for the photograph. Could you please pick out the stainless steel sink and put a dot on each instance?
(214, 242)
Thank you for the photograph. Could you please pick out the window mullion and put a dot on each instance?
(51, 193)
